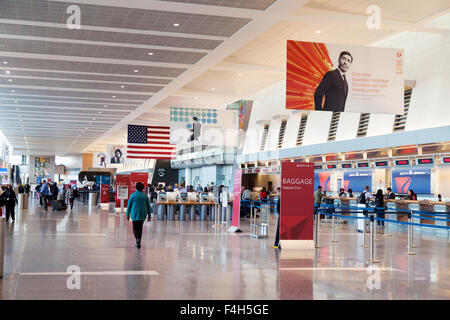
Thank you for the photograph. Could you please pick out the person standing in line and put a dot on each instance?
(263, 195)
(27, 188)
(10, 202)
(318, 195)
(45, 193)
(342, 193)
(138, 210)
(379, 207)
(247, 197)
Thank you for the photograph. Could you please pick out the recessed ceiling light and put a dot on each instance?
(15, 101)
(113, 96)
(213, 89)
(5, 62)
(317, 31)
(8, 72)
(99, 112)
(105, 106)
(150, 53)
(13, 90)
(122, 86)
(176, 24)
(93, 119)
(10, 80)
(136, 70)
(195, 98)
(240, 74)
(85, 128)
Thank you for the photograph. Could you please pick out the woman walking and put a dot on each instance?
(10, 202)
(138, 209)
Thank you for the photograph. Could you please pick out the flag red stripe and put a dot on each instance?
(158, 132)
(155, 142)
(156, 127)
(150, 152)
(140, 157)
(158, 137)
(150, 147)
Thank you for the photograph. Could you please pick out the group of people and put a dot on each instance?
(48, 191)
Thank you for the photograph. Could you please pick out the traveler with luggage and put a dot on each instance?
(138, 210)
(10, 202)
(365, 197)
(45, 194)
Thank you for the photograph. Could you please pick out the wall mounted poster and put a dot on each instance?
(116, 154)
(357, 180)
(322, 179)
(332, 77)
(419, 180)
(41, 167)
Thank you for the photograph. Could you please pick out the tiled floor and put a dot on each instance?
(191, 260)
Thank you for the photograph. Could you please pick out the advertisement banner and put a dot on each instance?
(322, 179)
(116, 154)
(342, 78)
(99, 160)
(122, 180)
(418, 180)
(237, 198)
(203, 127)
(357, 180)
(297, 201)
(104, 193)
(136, 177)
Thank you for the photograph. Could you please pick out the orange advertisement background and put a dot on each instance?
(307, 62)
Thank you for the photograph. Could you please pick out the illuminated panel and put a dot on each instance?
(402, 162)
(445, 159)
(425, 161)
(346, 165)
(331, 166)
(257, 170)
(381, 164)
(319, 167)
(363, 165)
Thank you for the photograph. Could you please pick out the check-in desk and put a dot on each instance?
(438, 209)
(187, 210)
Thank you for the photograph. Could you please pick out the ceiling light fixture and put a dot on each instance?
(195, 98)
(8, 72)
(99, 112)
(122, 86)
(15, 101)
(240, 74)
(176, 24)
(318, 31)
(150, 53)
(105, 106)
(13, 90)
(5, 62)
(10, 80)
(113, 96)
(213, 89)
(136, 70)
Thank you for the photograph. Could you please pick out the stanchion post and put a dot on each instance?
(333, 231)
(372, 240)
(410, 231)
(386, 234)
(364, 245)
(316, 229)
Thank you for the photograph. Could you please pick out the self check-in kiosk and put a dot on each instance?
(162, 197)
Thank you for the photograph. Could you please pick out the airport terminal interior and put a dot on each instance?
(224, 150)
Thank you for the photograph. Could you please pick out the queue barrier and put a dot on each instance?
(371, 217)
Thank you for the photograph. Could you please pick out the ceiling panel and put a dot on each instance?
(246, 4)
(119, 17)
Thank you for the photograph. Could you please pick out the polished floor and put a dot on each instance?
(192, 260)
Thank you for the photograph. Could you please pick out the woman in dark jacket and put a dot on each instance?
(379, 207)
(412, 195)
(10, 202)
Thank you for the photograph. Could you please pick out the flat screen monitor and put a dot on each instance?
(162, 196)
(183, 196)
(205, 196)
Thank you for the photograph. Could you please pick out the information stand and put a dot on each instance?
(122, 195)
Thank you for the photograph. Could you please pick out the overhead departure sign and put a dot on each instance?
(363, 165)
(425, 161)
(318, 167)
(331, 166)
(402, 162)
(381, 164)
(445, 159)
(346, 165)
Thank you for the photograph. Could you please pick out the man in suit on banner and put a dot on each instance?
(334, 86)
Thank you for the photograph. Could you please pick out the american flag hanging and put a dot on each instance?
(150, 142)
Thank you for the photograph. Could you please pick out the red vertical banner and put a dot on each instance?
(104, 193)
(124, 181)
(236, 198)
(297, 201)
(136, 177)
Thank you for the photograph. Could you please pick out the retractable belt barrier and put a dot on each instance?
(370, 213)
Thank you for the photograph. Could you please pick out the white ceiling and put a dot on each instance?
(61, 79)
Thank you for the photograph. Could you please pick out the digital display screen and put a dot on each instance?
(363, 165)
(257, 170)
(331, 166)
(402, 162)
(425, 161)
(318, 167)
(446, 159)
(183, 195)
(346, 165)
(381, 164)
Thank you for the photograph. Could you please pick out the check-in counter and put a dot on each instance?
(186, 211)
